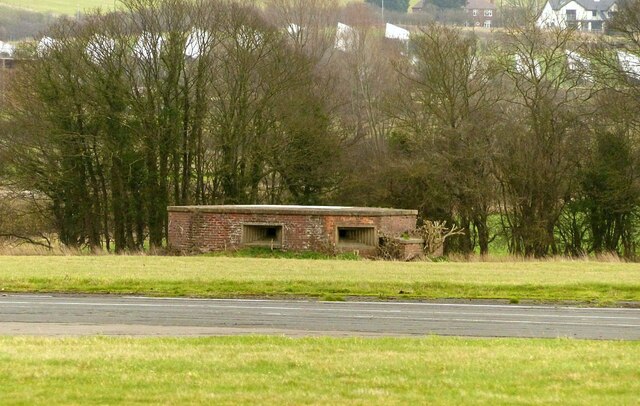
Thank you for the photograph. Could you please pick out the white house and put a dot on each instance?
(6, 49)
(630, 64)
(395, 32)
(45, 45)
(584, 15)
(346, 38)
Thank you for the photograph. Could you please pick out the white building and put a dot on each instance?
(584, 15)
(6, 49)
(346, 38)
(395, 32)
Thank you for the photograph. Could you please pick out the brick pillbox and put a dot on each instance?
(288, 228)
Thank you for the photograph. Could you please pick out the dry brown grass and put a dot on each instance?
(12, 247)
(603, 257)
(15, 247)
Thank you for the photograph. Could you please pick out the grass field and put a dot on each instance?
(71, 7)
(594, 282)
(60, 6)
(277, 370)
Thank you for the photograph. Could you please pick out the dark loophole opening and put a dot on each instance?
(357, 236)
(262, 235)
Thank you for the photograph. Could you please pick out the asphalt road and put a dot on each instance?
(114, 315)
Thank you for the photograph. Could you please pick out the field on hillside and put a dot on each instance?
(278, 370)
(60, 6)
(73, 6)
(592, 282)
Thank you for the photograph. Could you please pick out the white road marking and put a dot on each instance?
(494, 321)
(332, 310)
(387, 303)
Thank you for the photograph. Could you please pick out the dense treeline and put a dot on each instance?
(178, 102)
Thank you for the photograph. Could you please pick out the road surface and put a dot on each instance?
(117, 315)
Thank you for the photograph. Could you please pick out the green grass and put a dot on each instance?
(278, 370)
(60, 6)
(70, 7)
(595, 282)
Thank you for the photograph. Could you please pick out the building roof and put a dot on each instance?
(292, 209)
(480, 4)
(598, 5)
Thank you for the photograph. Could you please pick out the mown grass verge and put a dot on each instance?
(278, 370)
(592, 282)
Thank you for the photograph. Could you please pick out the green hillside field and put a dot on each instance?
(59, 6)
(73, 6)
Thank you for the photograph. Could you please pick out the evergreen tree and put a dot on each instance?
(394, 5)
(449, 3)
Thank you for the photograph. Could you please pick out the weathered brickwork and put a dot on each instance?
(217, 228)
(411, 249)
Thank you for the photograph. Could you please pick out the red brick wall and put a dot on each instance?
(206, 231)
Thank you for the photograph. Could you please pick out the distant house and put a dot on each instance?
(419, 6)
(584, 15)
(480, 13)
(6, 55)
(6, 49)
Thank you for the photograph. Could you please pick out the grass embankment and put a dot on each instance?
(594, 282)
(277, 370)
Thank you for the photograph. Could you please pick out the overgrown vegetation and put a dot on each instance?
(208, 102)
(264, 252)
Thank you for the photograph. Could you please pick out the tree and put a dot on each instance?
(612, 194)
(309, 24)
(540, 139)
(365, 80)
(449, 3)
(449, 112)
(394, 5)
(166, 102)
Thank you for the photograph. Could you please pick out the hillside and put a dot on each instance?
(59, 6)
(72, 6)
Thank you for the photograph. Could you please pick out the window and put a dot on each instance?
(356, 236)
(475, 13)
(594, 13)
(488, 13)
(571, 19)
(487, 24)
(262, 235)
(596, 25)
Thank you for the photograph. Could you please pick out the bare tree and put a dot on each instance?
(164, 102)
(449, 94)
(540, 142)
